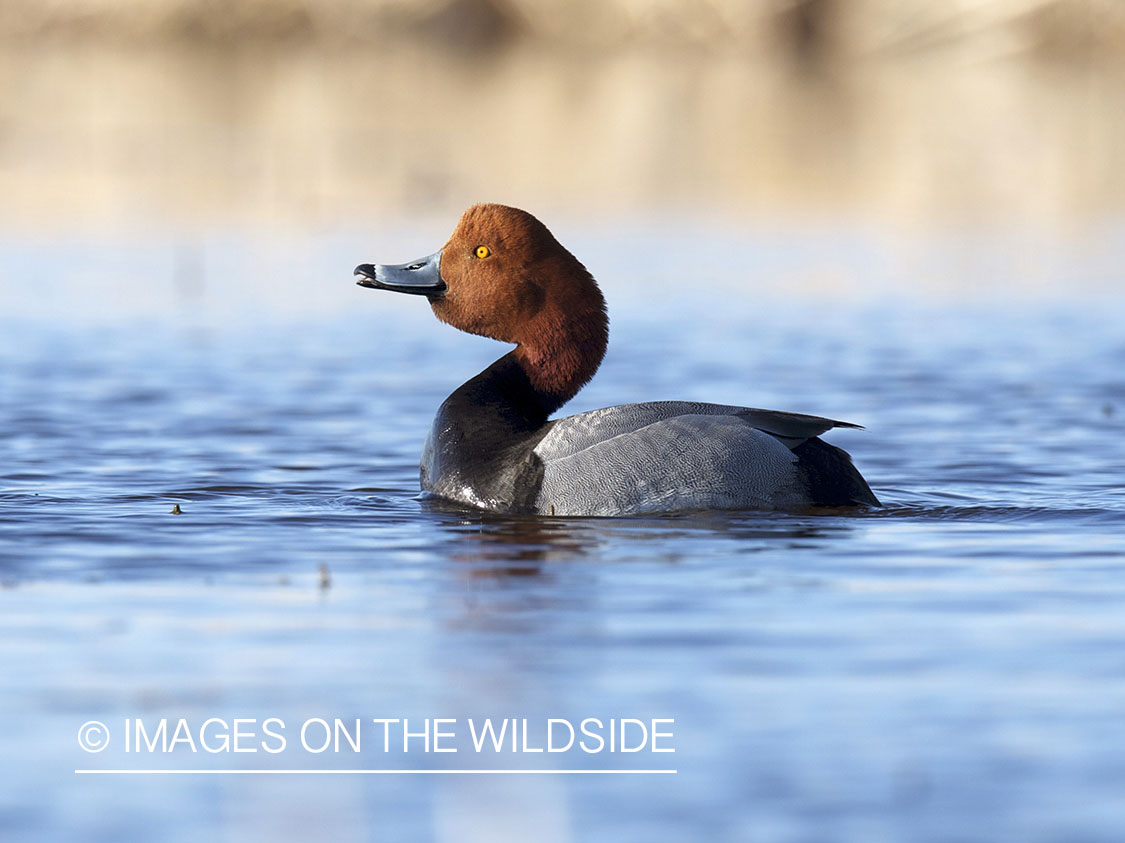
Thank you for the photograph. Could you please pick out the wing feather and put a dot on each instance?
(573, 434)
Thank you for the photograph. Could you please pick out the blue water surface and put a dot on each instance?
(948, 667)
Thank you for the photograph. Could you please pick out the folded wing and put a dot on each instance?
(576, 433)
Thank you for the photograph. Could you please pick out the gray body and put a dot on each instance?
(655, 457)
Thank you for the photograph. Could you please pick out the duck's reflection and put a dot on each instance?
(490, 545)
(519, 546)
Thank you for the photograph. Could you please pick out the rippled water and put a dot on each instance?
(951, 666)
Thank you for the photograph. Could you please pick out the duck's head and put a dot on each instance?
(503, 275)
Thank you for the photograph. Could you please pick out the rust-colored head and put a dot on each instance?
(504, 275)
(508, 278)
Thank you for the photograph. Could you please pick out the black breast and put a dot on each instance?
(484, 439)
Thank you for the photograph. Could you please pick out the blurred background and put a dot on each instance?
(313, 116)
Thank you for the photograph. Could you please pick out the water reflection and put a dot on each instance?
(514, 546)
(499, 546)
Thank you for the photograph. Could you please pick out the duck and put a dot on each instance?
(493, 445)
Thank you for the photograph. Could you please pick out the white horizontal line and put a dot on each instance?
(365, 772)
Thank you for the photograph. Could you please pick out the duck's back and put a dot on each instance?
(667, 456)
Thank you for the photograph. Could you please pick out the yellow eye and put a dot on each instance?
(483, 252)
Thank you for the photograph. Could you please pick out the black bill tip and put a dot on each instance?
(366, 273)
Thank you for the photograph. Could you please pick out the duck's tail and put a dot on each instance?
(830, 476)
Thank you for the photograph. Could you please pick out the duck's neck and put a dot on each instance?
(502, 396)
(562, 349)
(529, 383)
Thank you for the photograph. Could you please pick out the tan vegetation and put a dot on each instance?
(321, 111)
(1071, 29)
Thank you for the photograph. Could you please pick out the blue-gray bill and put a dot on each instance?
(421, 277)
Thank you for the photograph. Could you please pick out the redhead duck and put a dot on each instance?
(503, 275)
